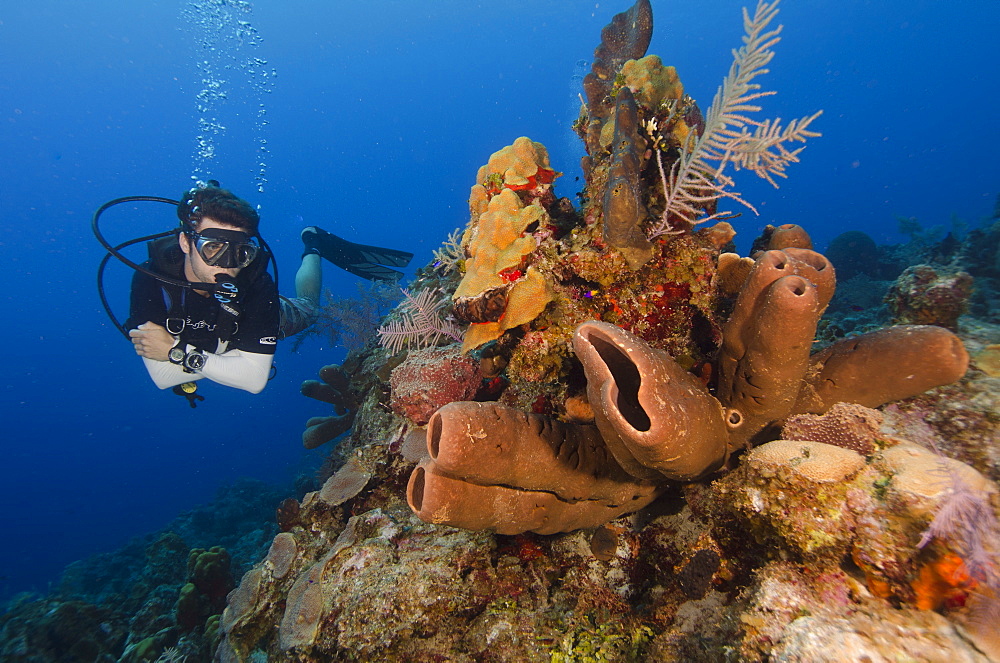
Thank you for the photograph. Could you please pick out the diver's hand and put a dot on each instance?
(152, 341)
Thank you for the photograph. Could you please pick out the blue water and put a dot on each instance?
(379, 117)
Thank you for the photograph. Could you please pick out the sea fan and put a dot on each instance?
(697, 178)
(966, 521)
(351, 321)
(420, 323)
(448, 256)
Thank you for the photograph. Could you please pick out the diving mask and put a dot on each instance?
(225, 248)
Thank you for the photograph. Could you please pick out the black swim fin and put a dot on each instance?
(368, 262)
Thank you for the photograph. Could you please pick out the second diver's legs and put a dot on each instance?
(301, 312)
(309, 278)
(369, 262)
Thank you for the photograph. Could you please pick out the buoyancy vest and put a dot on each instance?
(167, 258)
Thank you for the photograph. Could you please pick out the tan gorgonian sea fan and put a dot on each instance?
(697, 177)
(448, 256)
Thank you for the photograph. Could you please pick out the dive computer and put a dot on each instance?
(176, 355)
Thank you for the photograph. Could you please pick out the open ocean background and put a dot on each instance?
(378, 117)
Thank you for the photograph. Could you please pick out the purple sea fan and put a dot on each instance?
(966, 521)
(420, 324)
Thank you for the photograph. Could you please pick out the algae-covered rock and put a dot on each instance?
(793, 494)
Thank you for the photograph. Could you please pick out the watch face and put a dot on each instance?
(176, 355)
(195, 361)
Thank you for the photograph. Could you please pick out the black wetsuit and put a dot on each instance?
(256, 329)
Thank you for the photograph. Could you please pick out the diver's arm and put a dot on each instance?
(238, 368)
(235, 368)
(166, 375)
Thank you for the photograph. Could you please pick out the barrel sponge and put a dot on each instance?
(516, 163)
(651, 82)
(496, 242)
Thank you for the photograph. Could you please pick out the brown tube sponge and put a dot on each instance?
(623, 206)
(789, 235)
(766, 342)
(768, 268)
(438, 498)
(490, 443)
(320, 430)
(656, 418)
(882, 366)
(495, 467)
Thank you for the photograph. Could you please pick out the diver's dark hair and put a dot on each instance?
(219, 204)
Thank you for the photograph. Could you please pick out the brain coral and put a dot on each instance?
(815, 461)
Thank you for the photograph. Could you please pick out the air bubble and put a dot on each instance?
(225, 41)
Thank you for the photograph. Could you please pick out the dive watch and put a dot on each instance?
(191, 361)
(194, 361)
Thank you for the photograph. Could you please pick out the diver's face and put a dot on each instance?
(195, 268)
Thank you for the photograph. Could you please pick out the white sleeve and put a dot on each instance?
(166, 375)
(243, 370)
(236, 368)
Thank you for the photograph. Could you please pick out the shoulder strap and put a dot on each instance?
(231, 294)
(166, 257)
(173, 297)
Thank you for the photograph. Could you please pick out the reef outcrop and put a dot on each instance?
(656, 459)
(660, 422)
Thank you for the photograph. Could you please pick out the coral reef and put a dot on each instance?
(576, 478)
(646, 448)
(157, 598)
(593, 498)
(823, 502)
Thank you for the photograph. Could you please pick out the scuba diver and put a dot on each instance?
(204, 306)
